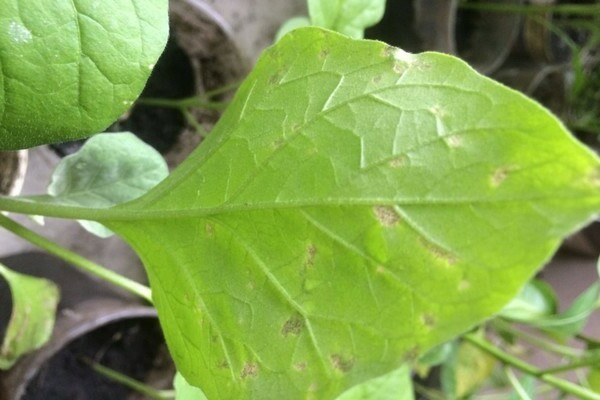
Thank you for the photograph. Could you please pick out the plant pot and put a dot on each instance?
(13, 165)
(93, 322)
(483, 39)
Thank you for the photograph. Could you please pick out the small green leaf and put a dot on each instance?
(537, 299)
(32, 319)
(72, 67)
(349, 17)
(108, 170)
(290, 25)
(185, 391)
(466, 371)
(437, 355)
(573, 320)
(397, 385)
(354, 207)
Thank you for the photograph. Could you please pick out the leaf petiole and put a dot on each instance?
(507, 359)
(75, 259)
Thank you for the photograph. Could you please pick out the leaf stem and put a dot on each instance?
(584, 362)
(507, 359)
(543, 344)
(572, 9)
(521, 392)
(129, 382)
(75, 259)
(183, 103)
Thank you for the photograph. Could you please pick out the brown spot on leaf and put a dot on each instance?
(250, 370)
(386, 215)
(397, 162)
(411, 355)
(324, 53)
(223, 365)
(292, 326)
(440, 253)
(311, 253)
(341, 363)
(209, 229)
(300, 367)
(500, 175)
(428, 320)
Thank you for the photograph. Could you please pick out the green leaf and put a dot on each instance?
(108, 170)
(32, 319)
(537, 299)
(349, 17)
(185, 391)
(290, 25)
(354, 207)
(573, 320)
(397, 385)
(437, 355)
(72, 67)
(467, 370)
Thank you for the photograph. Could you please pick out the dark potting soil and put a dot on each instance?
(172, 78)
(128, 346)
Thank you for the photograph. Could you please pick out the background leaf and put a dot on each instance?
(355, 206)
(108, 170)
(397, 385)
(536, 300)
(91, 58)
(32, 319)
(185, 391)
(349, 17)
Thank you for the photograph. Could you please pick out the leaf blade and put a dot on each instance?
(321, 239)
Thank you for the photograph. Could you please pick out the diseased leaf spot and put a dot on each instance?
(500, 175)
(292, 326)
(209, 229)
(595, 177)
(18, 33)
(341, 363)
(250, 370)
(411, 355)
(397, 162)
(300, 367)
(387, 216)
(311, 253)
(402, 59)
(464, 285)
(223, 365)
(440, 253)
(453, 141)
(376, 79)
(324, 53)
(428, 320)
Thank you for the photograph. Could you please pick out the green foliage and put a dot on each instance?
(348, 17)
(536, 300)
(70, 69)
(109, 169)
(34, 302)
(185, 391)
(397, 385)
(350, 212)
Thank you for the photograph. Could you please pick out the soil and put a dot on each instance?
(128, 346)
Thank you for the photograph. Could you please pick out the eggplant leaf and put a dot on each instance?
(109, 169)
(349, 17)
(34, 302)
(355, 206)
(69, 68)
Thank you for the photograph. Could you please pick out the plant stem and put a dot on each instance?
(584, 362)
(572, 9)
(75, 259)
(183, 103)
(543, 344)
(129, 382)
(507, 359)
(521, 392)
